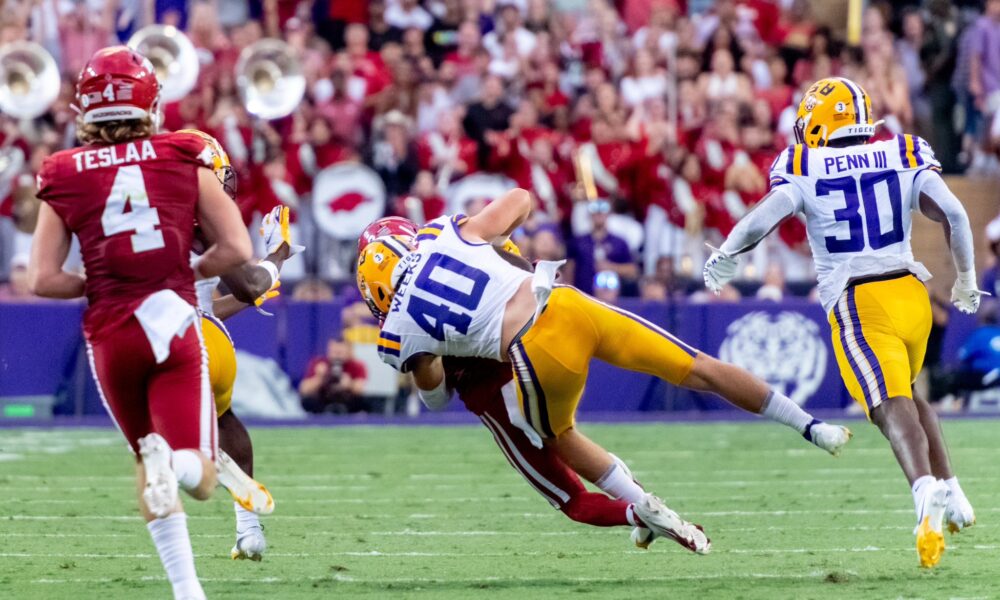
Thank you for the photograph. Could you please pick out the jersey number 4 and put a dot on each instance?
(127, 209)
(431, 316)
(851, 213)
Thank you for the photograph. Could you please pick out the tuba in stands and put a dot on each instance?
(173, 56)
(270, 80)
(29, 80)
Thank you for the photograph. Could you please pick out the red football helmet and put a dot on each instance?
(118, 83)
(396, 226)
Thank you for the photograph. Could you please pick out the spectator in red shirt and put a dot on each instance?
(334, 383)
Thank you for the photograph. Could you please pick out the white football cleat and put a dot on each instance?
(930, 522)
(959, 513)
(160, 491)
(245, 490)
(250, 545)
(827, 436)
(664, 522)
(642, 537)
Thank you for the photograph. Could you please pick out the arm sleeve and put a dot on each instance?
(779, 204)
(928, 183)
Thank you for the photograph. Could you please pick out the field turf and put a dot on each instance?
(427, 512)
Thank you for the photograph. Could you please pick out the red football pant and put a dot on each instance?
(544, 470)
(172, 398)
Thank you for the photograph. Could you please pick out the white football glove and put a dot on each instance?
(965, 294)
(719, 270)
(274, 229)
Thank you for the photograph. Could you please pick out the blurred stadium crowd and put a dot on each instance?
(675, 108)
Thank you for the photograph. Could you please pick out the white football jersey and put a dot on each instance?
(858, 203)
(451, 299)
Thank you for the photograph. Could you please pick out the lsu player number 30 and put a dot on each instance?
(857, 199)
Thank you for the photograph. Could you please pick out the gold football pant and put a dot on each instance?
(880, 329)
(221, 362)
(552, 358)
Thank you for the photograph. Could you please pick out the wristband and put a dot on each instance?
(272, 270)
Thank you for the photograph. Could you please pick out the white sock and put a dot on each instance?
(956, 489)
(245, 519)
(779, 407)
(918, 488)
(170, 536)
(617, 482)
(188, 468)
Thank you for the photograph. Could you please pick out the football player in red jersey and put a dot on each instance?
(131, 196)
(483, 386)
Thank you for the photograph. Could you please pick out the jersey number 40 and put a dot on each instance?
(851, 213)
(432, 316)
(127, 209)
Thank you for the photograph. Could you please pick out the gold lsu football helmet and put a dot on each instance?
(832, 109)
(214, 154)
(379, 272)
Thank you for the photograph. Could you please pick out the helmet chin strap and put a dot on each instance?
(156, 115)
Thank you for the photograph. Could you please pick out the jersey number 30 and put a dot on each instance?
(851, 213)
(127, 209)
(431, 316)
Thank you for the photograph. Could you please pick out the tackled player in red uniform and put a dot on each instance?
(131, 196)
(487, 389)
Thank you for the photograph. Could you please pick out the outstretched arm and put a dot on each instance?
(762, 219)
(500, 218)
(771, 211)
(939, 204)
(251, 281)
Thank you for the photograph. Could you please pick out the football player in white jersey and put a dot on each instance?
(857, 199)
(455, 296)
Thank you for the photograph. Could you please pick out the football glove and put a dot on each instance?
(719, 270)
(274, 229)
(965, 294)
(271, 293)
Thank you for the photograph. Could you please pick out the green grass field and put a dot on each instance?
(437, 513)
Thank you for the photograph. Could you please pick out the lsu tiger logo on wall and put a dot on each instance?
(786, 350)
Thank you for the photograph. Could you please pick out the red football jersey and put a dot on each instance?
(133, 208)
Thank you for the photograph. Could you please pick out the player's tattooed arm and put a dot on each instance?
(49, 249)
(759, 222)
(500, 218)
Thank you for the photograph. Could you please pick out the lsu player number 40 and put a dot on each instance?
(858, 199)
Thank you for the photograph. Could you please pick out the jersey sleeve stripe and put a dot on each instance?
(805, 161)
(916, 151)
(428, 234)
(388, 350)
(904, 152)
(790, 162)
(797, 160)
(392, 337)
(438, 226)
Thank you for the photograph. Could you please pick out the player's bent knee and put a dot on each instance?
(209, 480)
(704, 373)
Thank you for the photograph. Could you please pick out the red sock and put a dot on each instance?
(598, 510)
